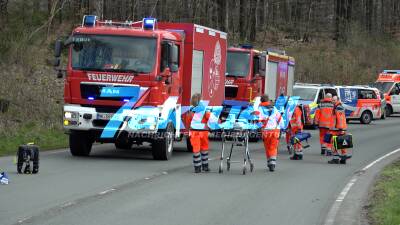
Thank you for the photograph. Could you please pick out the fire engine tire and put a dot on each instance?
(366, 117)
(388, 110)
(162, 147)
(189, 146)
(80, 143)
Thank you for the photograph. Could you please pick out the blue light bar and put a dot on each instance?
(392, 71)
(126, 100)
(149, 23)
(90, 98)
(247, 46)
(89, 21)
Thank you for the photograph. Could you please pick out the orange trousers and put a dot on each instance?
(322, 132)
(334, 150)
(199, 140)
(271, 142)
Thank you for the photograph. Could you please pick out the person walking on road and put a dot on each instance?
(295, 126)
(323, 119)
(198, 133)
(339, 127)
(271, 122)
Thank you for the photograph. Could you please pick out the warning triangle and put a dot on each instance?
(344, 142)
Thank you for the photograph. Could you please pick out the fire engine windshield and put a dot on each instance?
(383, 86)
(306, 94)
(238, 64)
(113, 53)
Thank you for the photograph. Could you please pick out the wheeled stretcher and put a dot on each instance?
(237, 137)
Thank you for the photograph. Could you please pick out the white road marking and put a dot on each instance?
(380, 159)
(107, 191)
(338, 202)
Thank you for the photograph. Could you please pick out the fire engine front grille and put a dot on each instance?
(93, 91)
(231, 91)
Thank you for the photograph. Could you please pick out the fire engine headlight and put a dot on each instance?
(70, 115)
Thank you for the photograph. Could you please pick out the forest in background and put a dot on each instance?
(333, 41)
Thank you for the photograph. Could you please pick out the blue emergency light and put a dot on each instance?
(90, 98)
(126, 100)
(392, 71)
(89, 21)
(149, 23)
(247, 46)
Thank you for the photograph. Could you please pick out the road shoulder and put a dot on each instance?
(349, 206)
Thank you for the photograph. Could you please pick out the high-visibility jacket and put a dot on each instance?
(324, 114)
(339, 118)
(270, 117)
(295, 122)
(193, 112)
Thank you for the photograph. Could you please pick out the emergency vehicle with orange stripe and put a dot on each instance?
(361, 103)
(388, 82)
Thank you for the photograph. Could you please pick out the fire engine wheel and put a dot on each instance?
(80, 143)
(162, 147)
(189, 146)
(366, 117)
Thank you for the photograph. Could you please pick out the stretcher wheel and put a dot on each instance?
(228, 165)
(251, 167)
(220, 170)
(244, 170)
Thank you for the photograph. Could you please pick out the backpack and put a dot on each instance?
(25, 155)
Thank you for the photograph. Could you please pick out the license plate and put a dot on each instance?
(104, 116)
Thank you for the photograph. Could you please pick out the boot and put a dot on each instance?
(300, 157)
(205, 168)
(197, 169)
(294, 157)
(334, 161)
(328, 153)
(323, 151)
(271, 167)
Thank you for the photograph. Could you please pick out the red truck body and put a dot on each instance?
(251, 73)
(168, 60)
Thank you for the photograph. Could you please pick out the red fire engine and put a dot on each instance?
(251, 73)
(164, 63)
(388, 83)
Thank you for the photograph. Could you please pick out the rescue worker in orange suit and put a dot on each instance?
(323, 119)
(339, 127)
(296, 126)
(271, 121)
(198, 133)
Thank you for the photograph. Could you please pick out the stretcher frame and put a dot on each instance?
(237, 137)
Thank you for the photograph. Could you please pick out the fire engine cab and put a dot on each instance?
(130, 82)
(388, 82)
(251, 73)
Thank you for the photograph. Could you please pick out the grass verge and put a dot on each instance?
(385, 200)
(44, 138)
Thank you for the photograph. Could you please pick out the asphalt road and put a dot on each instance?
(128, 187)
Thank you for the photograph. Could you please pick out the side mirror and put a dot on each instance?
(262, 65)
(256, 66)
(58, 48)
(56, 62)
(173, 58)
